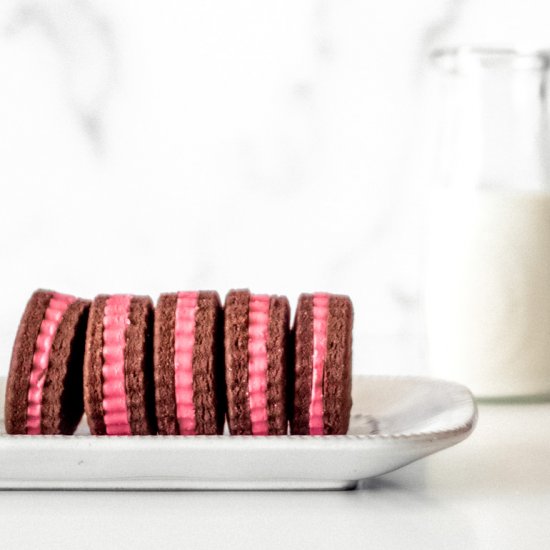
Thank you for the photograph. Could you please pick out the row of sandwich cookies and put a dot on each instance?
(182, 367)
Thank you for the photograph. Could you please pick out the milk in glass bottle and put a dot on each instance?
(488, 266)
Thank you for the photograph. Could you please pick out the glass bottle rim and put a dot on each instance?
(463, 58)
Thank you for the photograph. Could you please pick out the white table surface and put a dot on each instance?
(491, 491)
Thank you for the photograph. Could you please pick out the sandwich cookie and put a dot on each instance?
(188, 364)
(256, 337)
(118, 366)
(44, 388)
(322, 370)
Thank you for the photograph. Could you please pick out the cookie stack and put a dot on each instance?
(182, 367)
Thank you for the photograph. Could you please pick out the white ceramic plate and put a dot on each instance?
(394, 422)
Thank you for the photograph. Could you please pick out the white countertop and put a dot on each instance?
(491, 491)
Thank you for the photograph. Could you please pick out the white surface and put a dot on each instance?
(394, 422)
(487, 292)
(491, 491)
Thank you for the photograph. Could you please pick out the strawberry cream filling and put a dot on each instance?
(115, 321)
(320, 317)
(258, 331)
(186, 308)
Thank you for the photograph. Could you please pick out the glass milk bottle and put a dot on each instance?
(487, 294)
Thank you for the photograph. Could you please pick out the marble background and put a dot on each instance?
(283, 146)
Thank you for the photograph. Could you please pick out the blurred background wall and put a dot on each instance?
(283, 146)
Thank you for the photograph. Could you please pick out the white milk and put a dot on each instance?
(488, 291)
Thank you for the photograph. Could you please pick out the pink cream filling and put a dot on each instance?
(186, 308)
(57, 306)
(115, 321)
(320, 317)
(258, 330)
